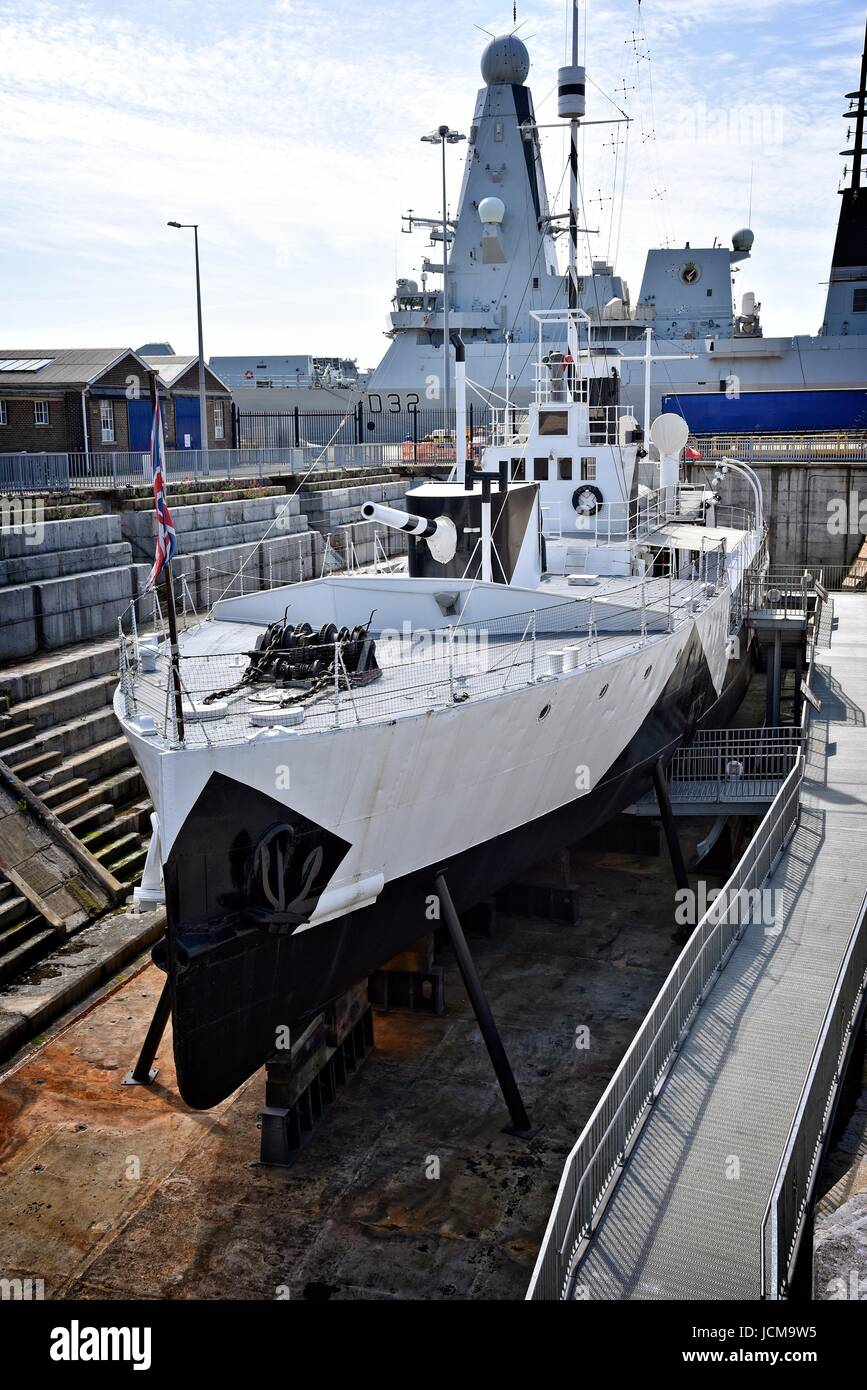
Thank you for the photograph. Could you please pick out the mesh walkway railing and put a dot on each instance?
(601, 1151)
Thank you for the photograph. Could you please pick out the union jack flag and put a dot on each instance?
(167, 541)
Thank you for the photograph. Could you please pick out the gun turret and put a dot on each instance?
(441, 533)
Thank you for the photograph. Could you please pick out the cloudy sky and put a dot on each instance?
(289, 131)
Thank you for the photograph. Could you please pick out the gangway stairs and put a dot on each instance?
(693, 1177)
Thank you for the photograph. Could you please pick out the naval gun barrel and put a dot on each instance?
(440, 532)
(399, 521)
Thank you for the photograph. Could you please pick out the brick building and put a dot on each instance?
(97, 399)
(181, 377)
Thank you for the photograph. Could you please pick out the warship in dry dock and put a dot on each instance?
(321, 755)
(500, 249)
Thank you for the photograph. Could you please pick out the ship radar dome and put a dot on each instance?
(743, 239)
(505, 60)
(492, 211)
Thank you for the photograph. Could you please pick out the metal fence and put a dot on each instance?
(34, 473)
(24, 473)
(784, 1221)
(375, 420)
(738, 758)
(783, 448)
(612, 1130)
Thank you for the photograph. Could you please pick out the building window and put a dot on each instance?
(564, 470)
(40, 413)
(218, 419)
(4, 418)
(106, 422)
(541, 470)
(859, 301)
(588, 470)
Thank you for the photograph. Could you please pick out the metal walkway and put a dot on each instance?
(692, 1177)
(728, 772)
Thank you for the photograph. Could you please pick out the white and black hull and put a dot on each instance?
(486, 790)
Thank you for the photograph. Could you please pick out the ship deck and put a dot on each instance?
(426, 671)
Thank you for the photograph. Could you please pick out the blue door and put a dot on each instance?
(187, 432)
(139, 418)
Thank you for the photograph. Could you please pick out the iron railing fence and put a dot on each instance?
(422, 432)
(34, 473)
(792, 1192)
(604, 1145)
(24, 473)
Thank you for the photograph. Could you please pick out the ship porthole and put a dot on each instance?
(603, 691)
(647, 672)
(544, 712)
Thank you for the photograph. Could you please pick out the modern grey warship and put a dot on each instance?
(502, 267)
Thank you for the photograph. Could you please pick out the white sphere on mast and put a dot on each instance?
(505, 60)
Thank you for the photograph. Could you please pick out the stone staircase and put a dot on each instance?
(59, 735)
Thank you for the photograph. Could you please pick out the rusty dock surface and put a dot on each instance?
(408, 1189)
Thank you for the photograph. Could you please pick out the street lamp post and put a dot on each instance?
(444, 136)
(203, 402)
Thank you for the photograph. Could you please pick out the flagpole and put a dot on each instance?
(171, 611)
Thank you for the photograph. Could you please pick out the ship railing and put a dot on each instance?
(638, 516)
(420, 671)
(791, 593)
(508, 426)
(609, 1136)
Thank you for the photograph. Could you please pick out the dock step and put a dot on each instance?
(21, 957)
(77, 699)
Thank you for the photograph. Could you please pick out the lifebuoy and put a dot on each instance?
(587, 499)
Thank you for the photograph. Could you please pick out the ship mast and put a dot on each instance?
(857, 150)
(571, 106)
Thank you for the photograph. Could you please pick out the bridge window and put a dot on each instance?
(588, 469)
(859, 301)
(541, 470)
(564, 470)
(553, 421)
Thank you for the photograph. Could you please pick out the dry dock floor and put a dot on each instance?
(408, 1189)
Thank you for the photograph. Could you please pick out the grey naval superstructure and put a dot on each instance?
(501, 249)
